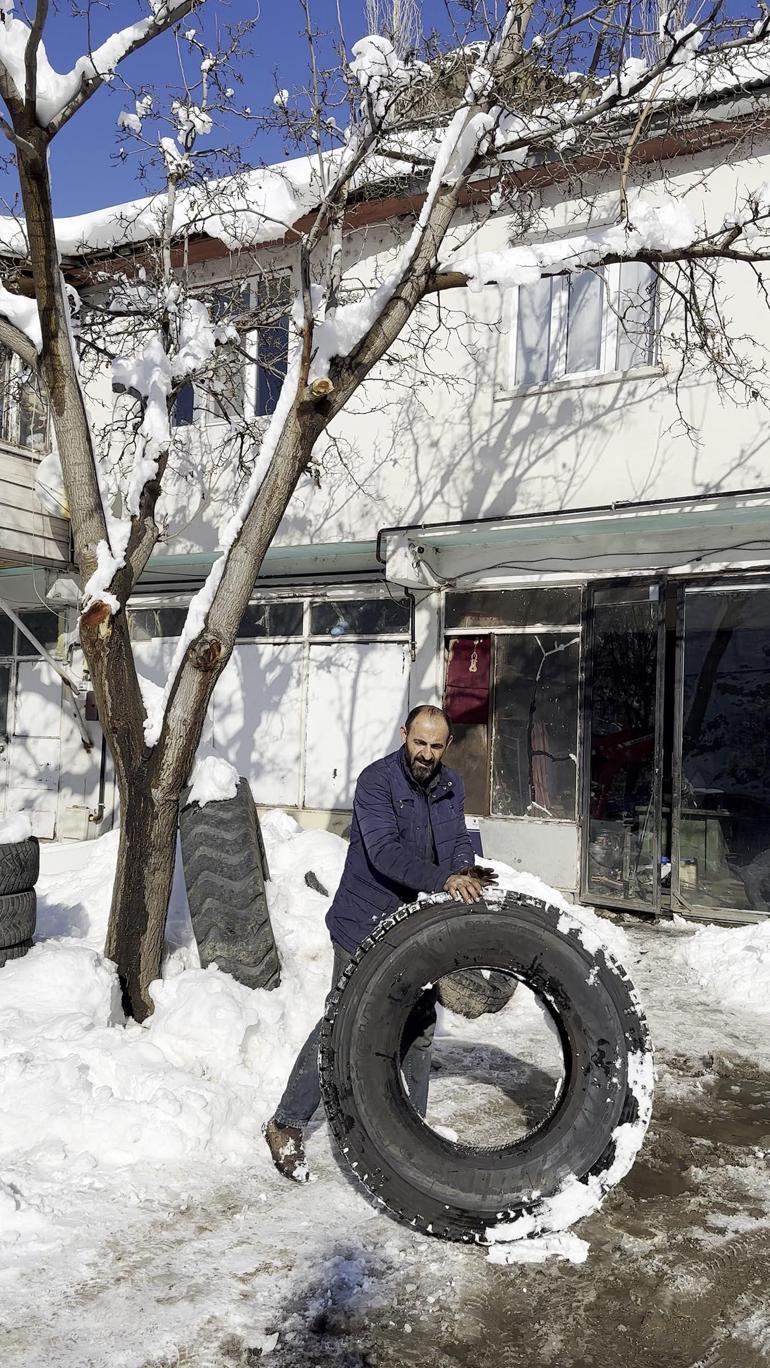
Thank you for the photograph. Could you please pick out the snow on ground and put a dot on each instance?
(123, 1146)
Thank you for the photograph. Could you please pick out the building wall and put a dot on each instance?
(28, 535)
(437, 435)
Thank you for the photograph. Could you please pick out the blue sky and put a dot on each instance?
(85, 172)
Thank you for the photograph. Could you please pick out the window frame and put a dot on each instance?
(558, 375)
(11, 369)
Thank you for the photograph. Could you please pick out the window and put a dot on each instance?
(360, 617)
(590, 322)
(246, 376)
(145, 624)
(45, 625)
(511, 692)
(23, 413)
(271, 620)
(6, 635)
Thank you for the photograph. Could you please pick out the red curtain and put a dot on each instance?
(466, 698)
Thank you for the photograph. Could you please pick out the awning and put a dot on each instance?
(701, 535)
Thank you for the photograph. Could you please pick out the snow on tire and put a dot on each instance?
(560, 1170)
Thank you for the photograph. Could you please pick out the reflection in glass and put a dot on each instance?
(535, 727)
(512, 608)
(274, 619)
(45, 626)
(724, 847)
(621, 841)
(359, 617)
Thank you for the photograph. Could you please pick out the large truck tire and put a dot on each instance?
(19, 865)
(581, 1149)
(224, 873)
(18, 914)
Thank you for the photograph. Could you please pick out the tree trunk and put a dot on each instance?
(143, 878)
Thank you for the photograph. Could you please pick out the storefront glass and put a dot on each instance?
(512, 694)
(723, 794)
(622, 860)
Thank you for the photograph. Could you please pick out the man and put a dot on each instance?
(408, 836)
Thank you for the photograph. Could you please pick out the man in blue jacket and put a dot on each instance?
(408, 836)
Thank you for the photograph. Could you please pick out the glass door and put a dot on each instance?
(622, 803)
(721, 774)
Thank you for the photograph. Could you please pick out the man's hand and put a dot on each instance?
(481, 873)
(464, 886)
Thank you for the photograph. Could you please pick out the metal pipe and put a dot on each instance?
(72, 683)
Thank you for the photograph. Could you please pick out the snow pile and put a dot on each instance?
(17, 827)
(381, 73)
(96, 1111)
(213, 781)
(565, 1246)
(91, 1103)
(733, 964)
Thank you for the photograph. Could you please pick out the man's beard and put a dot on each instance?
(422, 774)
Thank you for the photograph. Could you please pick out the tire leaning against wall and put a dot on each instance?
(589, 1139)
(18, 913)
(224, 874)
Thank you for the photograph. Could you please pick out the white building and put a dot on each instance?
(521, 525)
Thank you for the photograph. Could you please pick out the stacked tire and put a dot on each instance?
(19, 868)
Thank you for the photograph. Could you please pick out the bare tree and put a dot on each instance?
(519, 88)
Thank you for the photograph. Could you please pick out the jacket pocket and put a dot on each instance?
(405, 816)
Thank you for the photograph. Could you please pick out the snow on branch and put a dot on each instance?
(22, 314)
(59, 94)
(662, 230)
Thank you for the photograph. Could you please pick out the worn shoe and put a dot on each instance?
(287, 1146)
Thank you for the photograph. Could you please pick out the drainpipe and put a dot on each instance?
(70, 680)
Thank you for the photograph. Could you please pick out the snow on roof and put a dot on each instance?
(261, 204)
(242, 210)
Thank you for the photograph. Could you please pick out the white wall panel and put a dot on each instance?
(357, 694)
(256, 710)
(38, 700)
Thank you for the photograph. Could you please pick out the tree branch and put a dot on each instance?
(89, 84)
(17, 341)
(30, 58)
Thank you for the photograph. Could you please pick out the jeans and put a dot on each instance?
(302, 1094)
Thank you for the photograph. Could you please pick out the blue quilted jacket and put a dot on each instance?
(396, 827)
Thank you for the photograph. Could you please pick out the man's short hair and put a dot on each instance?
(431, 710)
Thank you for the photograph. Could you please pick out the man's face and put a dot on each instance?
(425, 744)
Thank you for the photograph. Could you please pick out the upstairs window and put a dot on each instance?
(247, 375)
(23, 413)
(590, 322)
